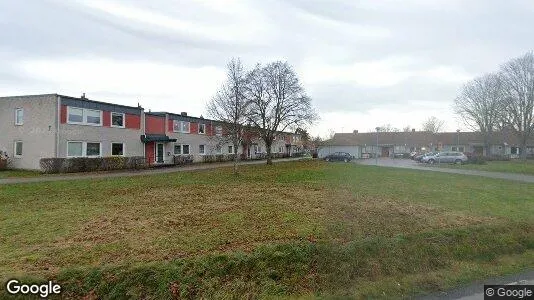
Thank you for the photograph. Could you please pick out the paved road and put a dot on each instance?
(410, 164)
(475, 291)
(80, 176)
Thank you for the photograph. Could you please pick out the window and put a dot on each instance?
(201, 149)
(18, 149)
(185, 127)
(280, 150)
(81, 149)
(461, 149)
(453, 149)
(180, 126)
(93, 117)
(176, 126)
(181, 149)
(75, 115)
(218, 130)
(93, 149)
(19, 116)
(117, 120)
(84, 116)
(218, 149)
(117, 149)
(201, 128)
(231, 149)
(74, 149)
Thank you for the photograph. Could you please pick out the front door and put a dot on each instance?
(159, 152)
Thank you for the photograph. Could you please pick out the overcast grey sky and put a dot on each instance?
(364, 63)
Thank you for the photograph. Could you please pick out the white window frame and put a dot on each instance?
(123, 119)
(84, 149)
(218, 130)
(84, 116)
(232, 149)
(202, 153)
(202, 125)
(188, 149)
(99, 149)
(15, 149)
(67, 152)
(218, 149)
(123, 149)
(188, 127)
(181, 146)
(174, 124)
(69, 108)
(16, 116)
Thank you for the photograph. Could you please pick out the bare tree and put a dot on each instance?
(277, 101)
(480, 105)
(388, 128)
(408, 128)
(229, 106)
(518, 80)
(433, 125)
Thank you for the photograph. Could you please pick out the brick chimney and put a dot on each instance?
(355, 131)
(413, 129)
(183, 113)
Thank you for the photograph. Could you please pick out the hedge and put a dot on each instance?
(85, 164)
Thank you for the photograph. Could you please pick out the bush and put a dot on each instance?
(183, 159)
(477, 160)
(86, 164)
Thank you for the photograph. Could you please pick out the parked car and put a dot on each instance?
(420, 157)
(339, 156)
(446, 157)
(413, 154)
(398, 155)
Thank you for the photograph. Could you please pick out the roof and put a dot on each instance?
(423, 138)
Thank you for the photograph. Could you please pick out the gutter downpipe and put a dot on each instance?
(58, 121)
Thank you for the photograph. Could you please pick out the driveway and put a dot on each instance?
(79, 176)
(410, 164)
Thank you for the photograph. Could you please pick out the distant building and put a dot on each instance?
(362, 145)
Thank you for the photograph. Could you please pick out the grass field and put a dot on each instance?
(299, 229)
(18, 174)
(513, 166)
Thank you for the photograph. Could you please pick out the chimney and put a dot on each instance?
(83, 96)
(413, 129)
(355, 131)
(183, 113)
(201, 117)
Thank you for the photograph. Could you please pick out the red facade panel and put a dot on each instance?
(209, 129)
(133, 121)
(154, 124)
(170, 125)
(106, 119)
(63, 114)
(193, 128)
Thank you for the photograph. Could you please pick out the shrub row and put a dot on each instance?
(218, 158)
(85, 164)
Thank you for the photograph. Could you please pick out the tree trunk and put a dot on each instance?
(236, 158)
(268, 145)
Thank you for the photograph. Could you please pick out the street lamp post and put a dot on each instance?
(376, 150)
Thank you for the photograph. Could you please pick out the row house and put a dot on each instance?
(52, 125)
(387, 144)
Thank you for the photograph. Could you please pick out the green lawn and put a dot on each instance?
(513, 166)
(18, 174)
(299, 229)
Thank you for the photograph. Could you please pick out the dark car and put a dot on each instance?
(339, 156)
